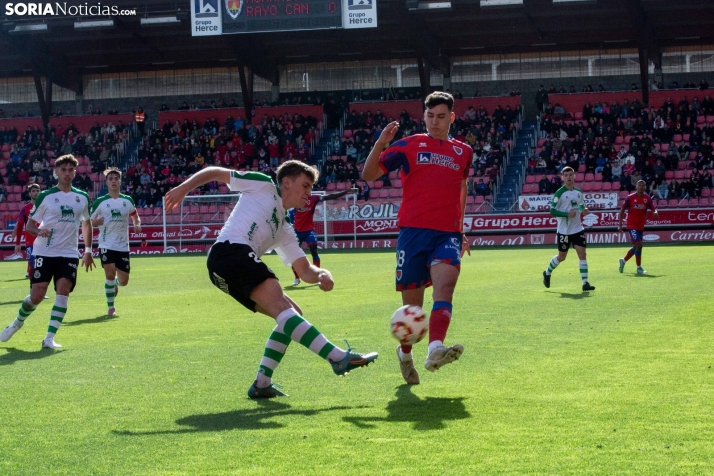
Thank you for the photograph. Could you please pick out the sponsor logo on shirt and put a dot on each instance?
(422, 144)
(437, 159)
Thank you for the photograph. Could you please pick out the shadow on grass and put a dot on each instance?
(250, 419)
(582, 295)
(97, 320)
(430, 413)
(646, 275)
(7, 303)
(305, 287)
(14, 355)
(13, 280)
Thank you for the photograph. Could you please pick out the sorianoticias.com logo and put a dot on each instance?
(64, 9)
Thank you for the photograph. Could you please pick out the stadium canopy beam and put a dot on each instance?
(424, 76)
(52, 65)
(647, 44)
(252, 53)
(44, 100)
(246, 86)
(426, 43)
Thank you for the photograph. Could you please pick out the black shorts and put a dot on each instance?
(120, 259)
(236, 270)
(576, 239)
(52, 268)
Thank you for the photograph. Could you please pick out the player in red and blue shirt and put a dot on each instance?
(32, 190)
(636, 205)
(302, 219)
(434, 169)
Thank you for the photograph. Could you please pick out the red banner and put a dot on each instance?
(521, 222)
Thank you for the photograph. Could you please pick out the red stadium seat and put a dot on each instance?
(395, 193)
(479, 200)
(398, 183)
(606, 186)
(384, 193)
(393, 175)
(673, 202)
(530, 179)
(701, 120)
(578, 116)
(347, 133)
(587, 187)
(580, 176)
(4, 207)
(682, 165)
(619, 140)
(581, 169)
(706, 192)
(341, 186)
(526, 189)
(378, 184)
(597, 186)
(677, 138)
(330, 187)
(669, 175)
(589, 177)
(710, 119)
(598, 177)
(624, 194)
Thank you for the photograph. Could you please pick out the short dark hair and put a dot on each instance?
(294, 168)
(66, 159)
(439, 97)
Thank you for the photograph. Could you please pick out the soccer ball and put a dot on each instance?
(409, 324)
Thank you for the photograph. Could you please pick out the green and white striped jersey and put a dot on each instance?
(259, 219)
(114, 233)
(565, 200)
(62, 213)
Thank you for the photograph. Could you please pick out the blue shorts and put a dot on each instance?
(309, 237)
(418, 249)
(30, 256)
(635, 236)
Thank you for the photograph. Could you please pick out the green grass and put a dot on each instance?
(617, 381)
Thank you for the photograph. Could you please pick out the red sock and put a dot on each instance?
(638, 259)
(296, 275)
(629, 255)
(316, 262)
(439, 321)
(406, 349)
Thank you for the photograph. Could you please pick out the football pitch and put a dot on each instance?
(552, 381)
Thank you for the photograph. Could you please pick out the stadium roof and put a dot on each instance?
(65, 53)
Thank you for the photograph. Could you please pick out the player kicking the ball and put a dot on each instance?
(431, 243)
(568, 207)
(256, 226)
(111, 213)
(637, 205)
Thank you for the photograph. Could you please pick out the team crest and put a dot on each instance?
(458, 150)
(77, 199)
(399, 274)
(37, 275)
(234, 7)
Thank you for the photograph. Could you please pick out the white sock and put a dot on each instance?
(435, 345)
(405, 357)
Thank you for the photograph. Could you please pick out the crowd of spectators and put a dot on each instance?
(624, 143)
(486, 133)
(170, 154)
(32, 150)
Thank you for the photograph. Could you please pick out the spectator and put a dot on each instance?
(544, 186)
(541, 98)
(3, 192)
(140, 119)
(483, 189)
(663, 190)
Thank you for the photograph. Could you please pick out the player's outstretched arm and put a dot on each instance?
(312, 274)
(336, 195)
(175, 196)
(34, 229)
(372, 170)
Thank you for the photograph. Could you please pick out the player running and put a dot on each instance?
(257, 225)
(431, 242)
(55, 219)
(302, 220)
(636, 204)
(110, 213)
(33, 190)
(568, 206)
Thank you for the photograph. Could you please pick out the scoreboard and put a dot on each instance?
(221, 17)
